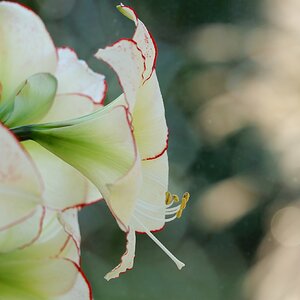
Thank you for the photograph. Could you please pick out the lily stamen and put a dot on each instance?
(169, 198)
(174, 212)
(184, 200)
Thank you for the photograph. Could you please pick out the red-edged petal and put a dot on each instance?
(149, 121)
(81, 289)
(22, 234)
(150, 206)
(20, 185)
(127, 258)
(144, 40)
(75, 77)
(127, 60)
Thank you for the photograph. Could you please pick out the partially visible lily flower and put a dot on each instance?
(39, 255)
(154, 204)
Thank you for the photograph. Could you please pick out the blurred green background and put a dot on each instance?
(229, 72)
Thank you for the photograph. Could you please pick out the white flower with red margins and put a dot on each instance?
(39, 258)
(134, 62)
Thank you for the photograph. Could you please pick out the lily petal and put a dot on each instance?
(52, 241)
(127, 258)
(69, 221)
(24, 233)
(26, 47)
(59, 178)
(80, 290)
(74, 76)
(69, 106)
(41, 270)
(34, 279)
(20, 185)
(144, 40)
(33, 101)
(127, 60)
(150, 207)
(149, 121)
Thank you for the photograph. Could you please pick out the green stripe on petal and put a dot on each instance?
(102, 147)
(35, 279)
(33, 101)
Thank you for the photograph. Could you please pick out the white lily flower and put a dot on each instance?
(154, 204)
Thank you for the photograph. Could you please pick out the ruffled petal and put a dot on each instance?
(141, 90)
(127, 258)
(126, 59)
(20, 185)
(26, 47)
(74, 76)
(144, 40)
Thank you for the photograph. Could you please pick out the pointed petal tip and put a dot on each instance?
(107, 277)
(127, 11)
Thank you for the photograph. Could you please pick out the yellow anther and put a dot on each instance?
(168, 198)
(175, 198)
(179, 213)
(185, 198)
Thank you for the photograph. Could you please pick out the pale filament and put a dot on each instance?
(169, 210)
(155, 218)
(178, 263)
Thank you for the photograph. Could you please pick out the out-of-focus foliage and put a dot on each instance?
(229, 72)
